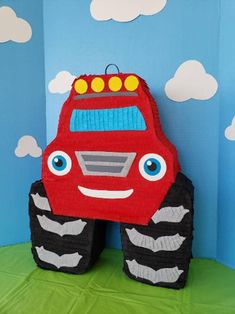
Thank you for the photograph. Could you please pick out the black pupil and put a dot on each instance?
(58, 162)
(152, 167)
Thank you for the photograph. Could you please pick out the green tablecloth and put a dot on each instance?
(26, 289)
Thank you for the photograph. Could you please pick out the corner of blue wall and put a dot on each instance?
(22, 112)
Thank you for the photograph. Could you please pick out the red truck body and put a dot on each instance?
(110, 159)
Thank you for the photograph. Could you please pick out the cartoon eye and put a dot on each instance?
(59, 163)
(152, 167)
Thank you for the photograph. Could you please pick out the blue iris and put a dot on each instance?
(59, 163)
(152, 166)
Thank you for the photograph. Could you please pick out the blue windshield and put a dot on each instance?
(116, 119)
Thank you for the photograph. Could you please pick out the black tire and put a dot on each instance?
(147, 256)
(84, 244)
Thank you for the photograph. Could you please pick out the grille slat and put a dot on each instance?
(98, 168)
(105, 163)
(104, 158)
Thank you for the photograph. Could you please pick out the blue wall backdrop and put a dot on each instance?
(226, 195)
(22, 111)
(153, 47)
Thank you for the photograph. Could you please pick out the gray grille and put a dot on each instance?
(105, 163)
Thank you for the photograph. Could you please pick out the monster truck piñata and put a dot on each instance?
(110, 160)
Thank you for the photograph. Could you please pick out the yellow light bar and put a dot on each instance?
(115, 83)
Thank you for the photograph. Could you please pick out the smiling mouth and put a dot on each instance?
(110, 194)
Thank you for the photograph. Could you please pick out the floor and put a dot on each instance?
(24, 288)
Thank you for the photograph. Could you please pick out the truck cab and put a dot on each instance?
(110, 159)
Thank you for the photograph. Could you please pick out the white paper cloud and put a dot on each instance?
(230, 131)
(12, 27)
(191, 81)
(27, 145)
(62, 83)
(124, 10)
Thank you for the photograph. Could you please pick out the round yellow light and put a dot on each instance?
(97, 84)
(131, 83)
(115, 83)
(81, 86)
